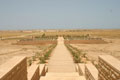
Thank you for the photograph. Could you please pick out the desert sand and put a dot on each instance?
(93, 50)
(8, 50)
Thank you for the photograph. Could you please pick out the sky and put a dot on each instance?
(59, 14)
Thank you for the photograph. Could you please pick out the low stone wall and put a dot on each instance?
(42, 70)
(91, 73)
(33, 72)
(109, 68)
(14, 69)
(81, 69)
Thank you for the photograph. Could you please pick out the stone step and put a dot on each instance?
(63, 78)
(58, 68)
(64, 62)
(91, 72)
(73, 74)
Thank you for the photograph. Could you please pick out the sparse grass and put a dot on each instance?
(34, 58)
(42, 60)
(29, 62)
(77, 54)
(77, 37)
(42, 56)
(46, 54)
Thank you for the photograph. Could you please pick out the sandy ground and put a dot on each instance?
(7, 50)
(93, 50)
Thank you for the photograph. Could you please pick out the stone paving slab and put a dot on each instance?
(63, 78)
(61, 60)
(113, 62)
(72, 74)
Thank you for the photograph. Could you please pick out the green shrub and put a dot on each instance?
(37, 54)
(42, 60)
(33, 58)
(29, 62)
(75, 53)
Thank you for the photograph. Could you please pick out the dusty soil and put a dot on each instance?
(7, 50)
(93, 50)
(36, 42)
(86, 42)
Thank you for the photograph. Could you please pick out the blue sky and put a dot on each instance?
(59, 14)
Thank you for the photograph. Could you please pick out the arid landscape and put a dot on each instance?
(17, 43)
(59, 40)
(61, 52)
(28, 43)
(93, 50)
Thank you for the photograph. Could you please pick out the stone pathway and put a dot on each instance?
(61, 59)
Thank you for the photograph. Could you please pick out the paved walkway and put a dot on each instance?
(61, 59)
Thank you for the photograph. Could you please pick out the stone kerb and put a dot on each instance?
(109, 68)
(81, 69)
(91, 73)
(14, 69)
(33, 72)
(42, 69)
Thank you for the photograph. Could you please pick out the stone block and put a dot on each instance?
(91, 73)
(14, 69)
(42, 70)
(81, 69)
(33, 72)
(108, 67)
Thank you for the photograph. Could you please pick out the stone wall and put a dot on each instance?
(42, 69)
(91, 73)
(14, 69)
(109, 68)
(81, 69)
(33, 72)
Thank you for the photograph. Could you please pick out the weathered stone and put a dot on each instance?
(33, 72)
(14, 69)
(81, 69)
(109, 68)
(42, 70)
(91, 73)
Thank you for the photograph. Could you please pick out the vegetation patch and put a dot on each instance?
(46, 54)
(85, 42)
(35, 42)
(83, 39)
(38, 40)
(43, 56)
(78, 55)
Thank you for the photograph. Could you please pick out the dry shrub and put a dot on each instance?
(85, 42)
